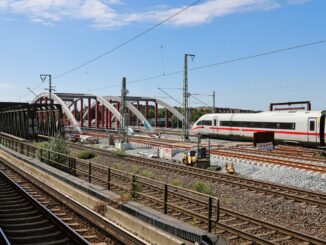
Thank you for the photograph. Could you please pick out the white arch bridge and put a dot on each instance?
(105, 110)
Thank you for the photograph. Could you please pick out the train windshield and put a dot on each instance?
(322, 129)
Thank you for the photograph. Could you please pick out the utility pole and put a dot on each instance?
(214, 108)
(123, 111)
(51, 88)
(185, 123)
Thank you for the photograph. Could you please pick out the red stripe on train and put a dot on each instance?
(261, 130)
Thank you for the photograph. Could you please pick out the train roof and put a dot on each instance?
(267, 114)
(274, 113)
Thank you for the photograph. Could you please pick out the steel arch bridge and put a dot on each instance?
(105, 110)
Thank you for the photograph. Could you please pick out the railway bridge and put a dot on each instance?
(105, 110)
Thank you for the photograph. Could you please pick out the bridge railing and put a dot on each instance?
(131, 186)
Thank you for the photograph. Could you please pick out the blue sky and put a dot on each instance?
(39, 36)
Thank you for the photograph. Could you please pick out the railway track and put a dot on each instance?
(285, 192)
(153, 142)
(278, 153)
(237, 228)
(25, 220)
(76, 218)
(275, 161)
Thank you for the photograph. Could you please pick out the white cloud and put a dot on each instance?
(103, 14)
(7, 86)
(295, 2)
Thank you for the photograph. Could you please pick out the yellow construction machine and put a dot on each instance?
(229, 168)
(190, 158)
(196, 157)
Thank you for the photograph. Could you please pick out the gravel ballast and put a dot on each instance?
(297, 216)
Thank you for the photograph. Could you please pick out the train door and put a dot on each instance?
(215, 125)
(312, 130)
(322, 129)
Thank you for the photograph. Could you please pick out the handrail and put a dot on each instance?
(90, 170)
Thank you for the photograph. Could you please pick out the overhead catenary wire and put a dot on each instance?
(200, 101)
(121, 44)
(127, 41)
(216, 64)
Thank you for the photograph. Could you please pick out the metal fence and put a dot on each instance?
(200, 207)
(27, 120)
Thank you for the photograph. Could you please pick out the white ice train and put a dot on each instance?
(300, 127)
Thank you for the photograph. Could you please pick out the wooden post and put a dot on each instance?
(90, 172)
(165, 199)
(133, 186)
(109, 179)
(209, 216)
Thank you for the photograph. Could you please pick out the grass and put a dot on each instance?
(125, 197)
(86, 155)
(118, 153)
(134, 169)
(117, 166)
(100, 208)
(202, 187)
(176, 182)
(146, 173)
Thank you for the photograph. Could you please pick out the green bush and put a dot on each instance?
(55, 145)
(86, 155)
(148, 174)
(176, 182)
(202, 187)
(134, 169)
(118, 153)
(117, 166)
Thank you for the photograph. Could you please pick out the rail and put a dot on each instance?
(3, 238)
(68, 233)
(134, 185)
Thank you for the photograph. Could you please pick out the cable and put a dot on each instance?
(127, 42)
(120, 45)
(215, 64)
(258, 55)
(200, 101)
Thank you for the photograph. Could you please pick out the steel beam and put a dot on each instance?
(89, 113)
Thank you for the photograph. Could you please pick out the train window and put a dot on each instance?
(207, 123)
(312, 126)
(215, 122)
(270, 125)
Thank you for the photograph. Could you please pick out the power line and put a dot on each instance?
(127, 41)
(217, 64)
(259, 55)
(200, 101)
(121, 45)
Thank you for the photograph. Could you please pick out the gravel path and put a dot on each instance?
(276, 174)
(304, 218)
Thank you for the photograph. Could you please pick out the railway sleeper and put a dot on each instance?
(33, 239)
(229, 219)
(266, 234)
(90, 237)
(67, 219)
(282, 239)
(232, 237)
(24, 209)
(35, 224)
(240, 224)
(21, 220)
(73, 224)
(16, 215)
(249, 229)
(48, 229)
(82, 230)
